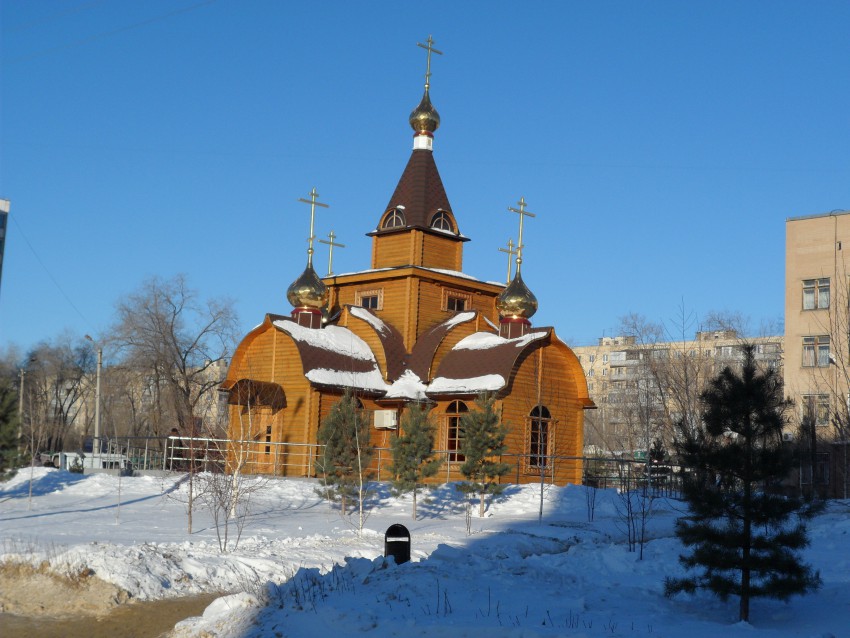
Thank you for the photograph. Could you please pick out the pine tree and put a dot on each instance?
(742, 537)
(482, 440)
(8, 425)
(346, 455)
(413, 453)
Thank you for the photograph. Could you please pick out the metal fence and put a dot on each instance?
(205, 454)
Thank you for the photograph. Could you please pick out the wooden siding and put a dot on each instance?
(393, 250)
(441, 252)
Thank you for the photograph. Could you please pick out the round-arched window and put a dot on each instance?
(393, 219)
(442, 221)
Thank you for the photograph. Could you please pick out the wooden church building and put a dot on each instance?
(413, 328)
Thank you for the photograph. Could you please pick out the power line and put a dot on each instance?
(46, 270)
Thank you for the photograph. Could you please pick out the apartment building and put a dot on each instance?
(817, 361)
(642, 388)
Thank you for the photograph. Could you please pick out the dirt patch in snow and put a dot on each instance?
(27, 591)
(34, 602)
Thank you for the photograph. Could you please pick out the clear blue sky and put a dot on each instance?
(662, 145)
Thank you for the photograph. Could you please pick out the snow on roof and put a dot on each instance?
(370, 380)
(487, 340)
(368, 317)
(473, 385)
(460, 317)
(407, 386)
(332, 338)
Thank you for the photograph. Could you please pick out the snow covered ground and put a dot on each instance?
(301, 569)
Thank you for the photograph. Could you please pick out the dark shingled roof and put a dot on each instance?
(463, 363)
(391, 341)
(250, 392)
(316, 359)
(426, 346)
(420, 191)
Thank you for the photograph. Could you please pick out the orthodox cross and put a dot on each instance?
(431, 49)
(313, 201)
(331, 243)
(511, 252)
(522, 214)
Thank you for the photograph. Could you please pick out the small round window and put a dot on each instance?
(394, 219)
(441, 221)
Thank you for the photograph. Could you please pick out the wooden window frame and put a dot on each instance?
(439, 218)
(453, 437)
(532, 421)
(455, 294)
(372, 292)
(393, 218)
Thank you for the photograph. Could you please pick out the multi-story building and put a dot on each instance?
(642, 388)
(816, 319)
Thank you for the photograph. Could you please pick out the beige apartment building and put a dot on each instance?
(817, 364)
(642, 388)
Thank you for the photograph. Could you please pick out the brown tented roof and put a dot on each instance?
(467, 370)
(420, 194)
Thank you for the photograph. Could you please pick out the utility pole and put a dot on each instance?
(22, 374)
(96, 441)
(95, 447)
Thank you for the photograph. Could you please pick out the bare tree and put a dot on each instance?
(56, 388)
(164, 330)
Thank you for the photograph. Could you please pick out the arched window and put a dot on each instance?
(393, 219)
(539, 438)
(454, 413)
(441, 221)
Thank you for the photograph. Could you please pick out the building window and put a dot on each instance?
(592, 358)
(456, 301)
(816, 294)
(454, 432)
(441, 221)
(590, 372)
(817, 405)
(393, 219)
(539, 439)
(268, 439)
(371, 299)
(604, 358)
(816, 352)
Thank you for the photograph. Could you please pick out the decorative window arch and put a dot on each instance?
(539, 438)
(394, 219)
(454, 413)
(442, 221)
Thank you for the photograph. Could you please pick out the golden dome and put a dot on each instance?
(308, 290)
(516, 301)
(424, 118)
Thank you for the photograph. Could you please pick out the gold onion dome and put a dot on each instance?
(308, 291)
(516, 301)
(424, 118)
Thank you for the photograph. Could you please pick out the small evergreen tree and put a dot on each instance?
(742, 537)
(8, 425)
(413, 453)
(482, 440)
(346, 455)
